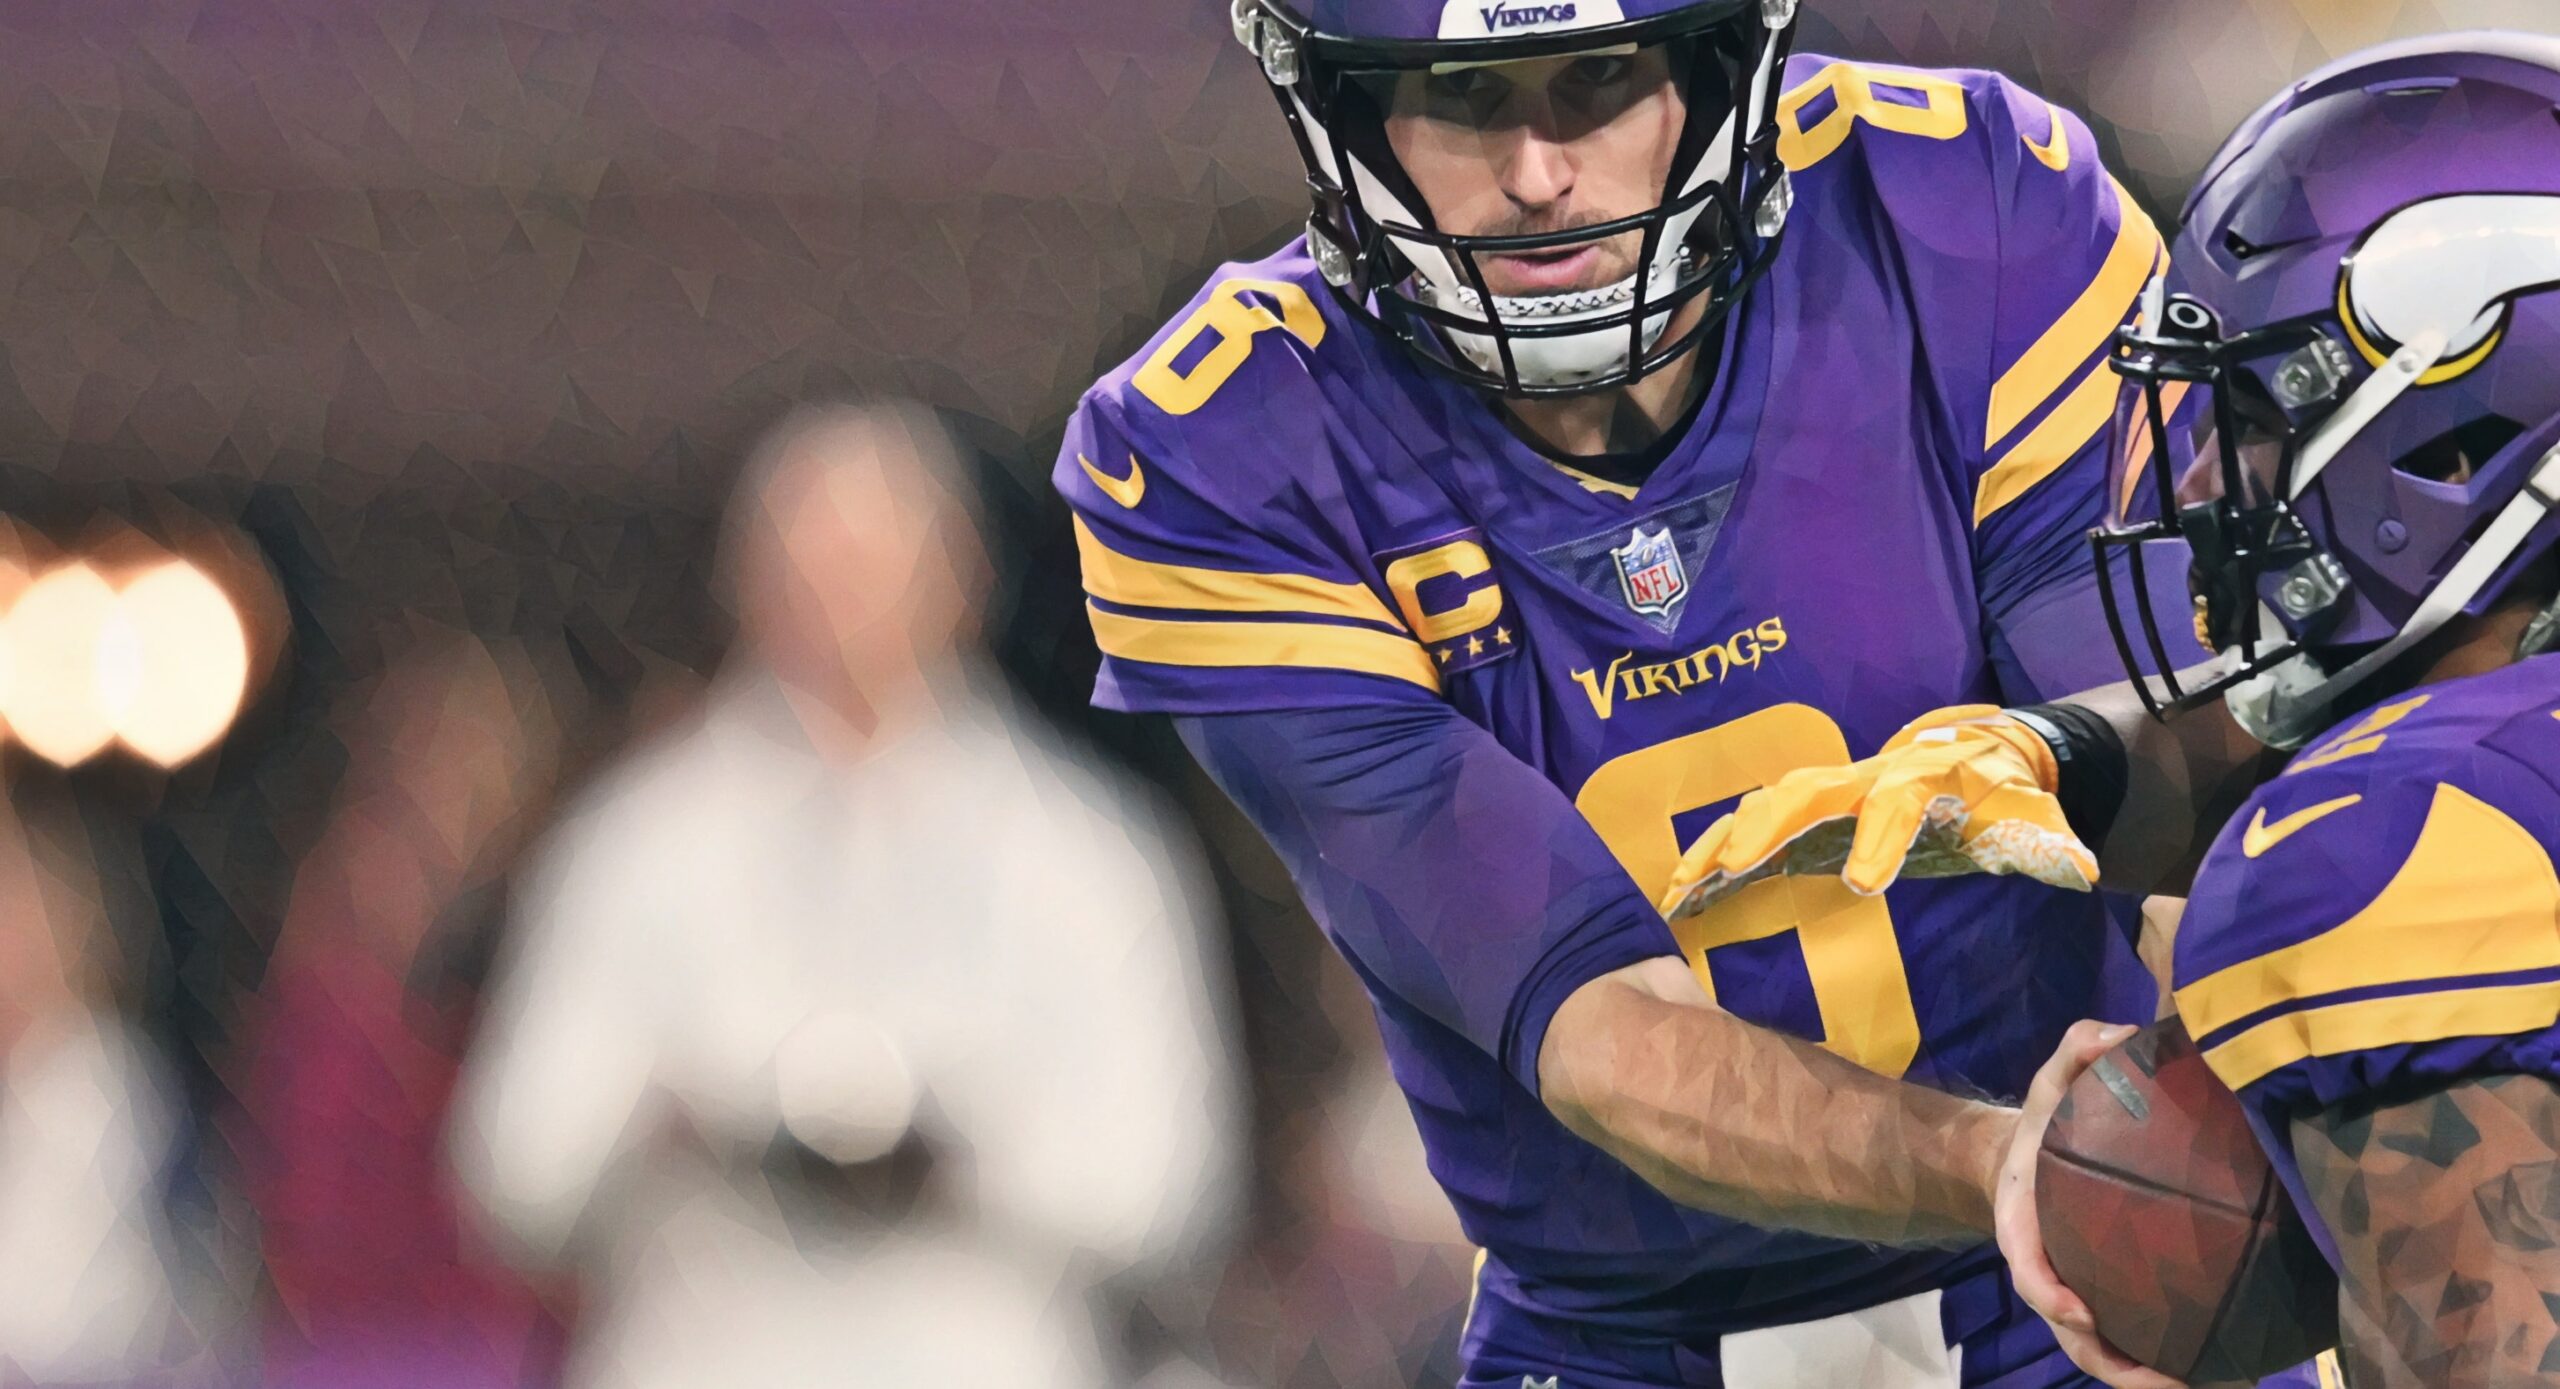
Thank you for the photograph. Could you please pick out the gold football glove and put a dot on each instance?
(1962, 790)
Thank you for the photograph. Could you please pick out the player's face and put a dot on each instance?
(2257, 430)
(1545, 145)
(2237, 453)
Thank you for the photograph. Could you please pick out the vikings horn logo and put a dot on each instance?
(2402, 287)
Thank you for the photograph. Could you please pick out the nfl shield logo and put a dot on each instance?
(1649, 572)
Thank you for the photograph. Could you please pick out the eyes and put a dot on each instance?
(1599, 72)
(1470, 95)
(2261, 460)
(1584, 91)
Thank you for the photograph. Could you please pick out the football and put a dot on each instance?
(2162, 1213)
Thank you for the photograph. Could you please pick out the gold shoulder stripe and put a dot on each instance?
(1304, 644)
(2401, 1020)
(2078, 419)
(1119, 578)
(2084, 327)
(2138, 455)
(2476, 895)
(2137, 450)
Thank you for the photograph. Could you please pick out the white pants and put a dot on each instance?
(1895, 1345)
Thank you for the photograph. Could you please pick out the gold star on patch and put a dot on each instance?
(1475, 646)
(1502, 636)
(1445, 653)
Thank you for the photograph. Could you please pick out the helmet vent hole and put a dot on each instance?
(2241, 247)
(2454, 456)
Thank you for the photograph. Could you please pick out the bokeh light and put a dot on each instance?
(54, 634)
(174, 664)
(161, 663)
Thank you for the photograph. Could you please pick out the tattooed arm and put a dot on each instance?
(2446, 1212)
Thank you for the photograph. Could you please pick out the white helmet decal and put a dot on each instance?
(2430, 285)
(1493, 19)
(2447, 268)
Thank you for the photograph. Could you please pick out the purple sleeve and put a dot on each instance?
(2074, 253)
(2378, 922)
(1216, 584)
(2024, 255)
(2366, 928)
(2047, 626)
(1450, 874)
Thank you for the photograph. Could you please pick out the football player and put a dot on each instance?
(1645, 412)
(2344, 406)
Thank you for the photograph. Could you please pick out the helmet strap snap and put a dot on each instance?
(2542, 633)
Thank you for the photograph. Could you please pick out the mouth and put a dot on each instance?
(1540, 272)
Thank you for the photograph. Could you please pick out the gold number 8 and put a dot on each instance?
(1236, 320)
(1854, 99)
(1851, 953)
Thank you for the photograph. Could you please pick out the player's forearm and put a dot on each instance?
(2443, 1211)
(2183, 778)
(1736, 1119)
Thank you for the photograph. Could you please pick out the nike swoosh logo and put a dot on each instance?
(1124, 490)
(2262, 836)
(2055, 152)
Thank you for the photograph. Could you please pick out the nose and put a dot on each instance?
(1538, 171)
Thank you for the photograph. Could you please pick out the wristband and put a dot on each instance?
(2090, 762)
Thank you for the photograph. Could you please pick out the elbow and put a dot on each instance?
(1601, 1070)
(1572, 1077)
(1591, 1043)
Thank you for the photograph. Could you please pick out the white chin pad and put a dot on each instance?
(1566, 358)
(1569, 358)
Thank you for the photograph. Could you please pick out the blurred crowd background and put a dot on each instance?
(551, 829)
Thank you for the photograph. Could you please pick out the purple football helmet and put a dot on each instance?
(1373, 236)
(2344, 395)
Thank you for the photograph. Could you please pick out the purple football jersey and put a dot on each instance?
(2384, 915)
(1880, 509)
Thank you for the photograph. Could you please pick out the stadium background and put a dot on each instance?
(437, 319)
